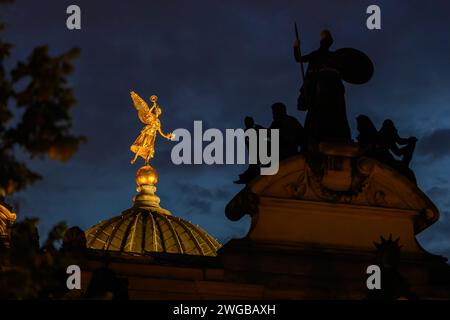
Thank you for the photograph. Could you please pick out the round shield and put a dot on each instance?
(355, 66)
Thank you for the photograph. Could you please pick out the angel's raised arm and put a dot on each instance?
(168, 136)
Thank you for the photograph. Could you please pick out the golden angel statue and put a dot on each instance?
(144, 145)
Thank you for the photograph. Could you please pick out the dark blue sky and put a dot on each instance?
(218, 61)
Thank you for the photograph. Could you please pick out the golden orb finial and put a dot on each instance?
(146, 179)
(146, 175)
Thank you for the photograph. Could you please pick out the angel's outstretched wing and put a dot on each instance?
(140, 105)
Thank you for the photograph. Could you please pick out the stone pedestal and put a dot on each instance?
(332, 225)
(317, 225)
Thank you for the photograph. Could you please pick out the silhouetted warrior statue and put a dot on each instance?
(380, 144)
(323, 94)
(253, 169)
(292, 134)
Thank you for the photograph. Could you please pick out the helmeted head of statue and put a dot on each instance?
(326, 40)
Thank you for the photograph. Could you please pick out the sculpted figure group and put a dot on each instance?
(322, 96)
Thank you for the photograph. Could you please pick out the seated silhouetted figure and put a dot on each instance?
(253, 170)
(368, 137)
(390, 138)
(291, 132)
(380, 144)
(249, 123)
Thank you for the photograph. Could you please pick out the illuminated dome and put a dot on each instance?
(149, 228)
(143, 231)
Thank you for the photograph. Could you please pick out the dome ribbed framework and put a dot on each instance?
(145, 230)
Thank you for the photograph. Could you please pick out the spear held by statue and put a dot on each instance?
(299, 50)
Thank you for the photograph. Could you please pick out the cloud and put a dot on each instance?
(438, 192)
(202, 205)
(193, 198)
(436, 144)
(435, 239)
(199, 199)
(203, 192)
